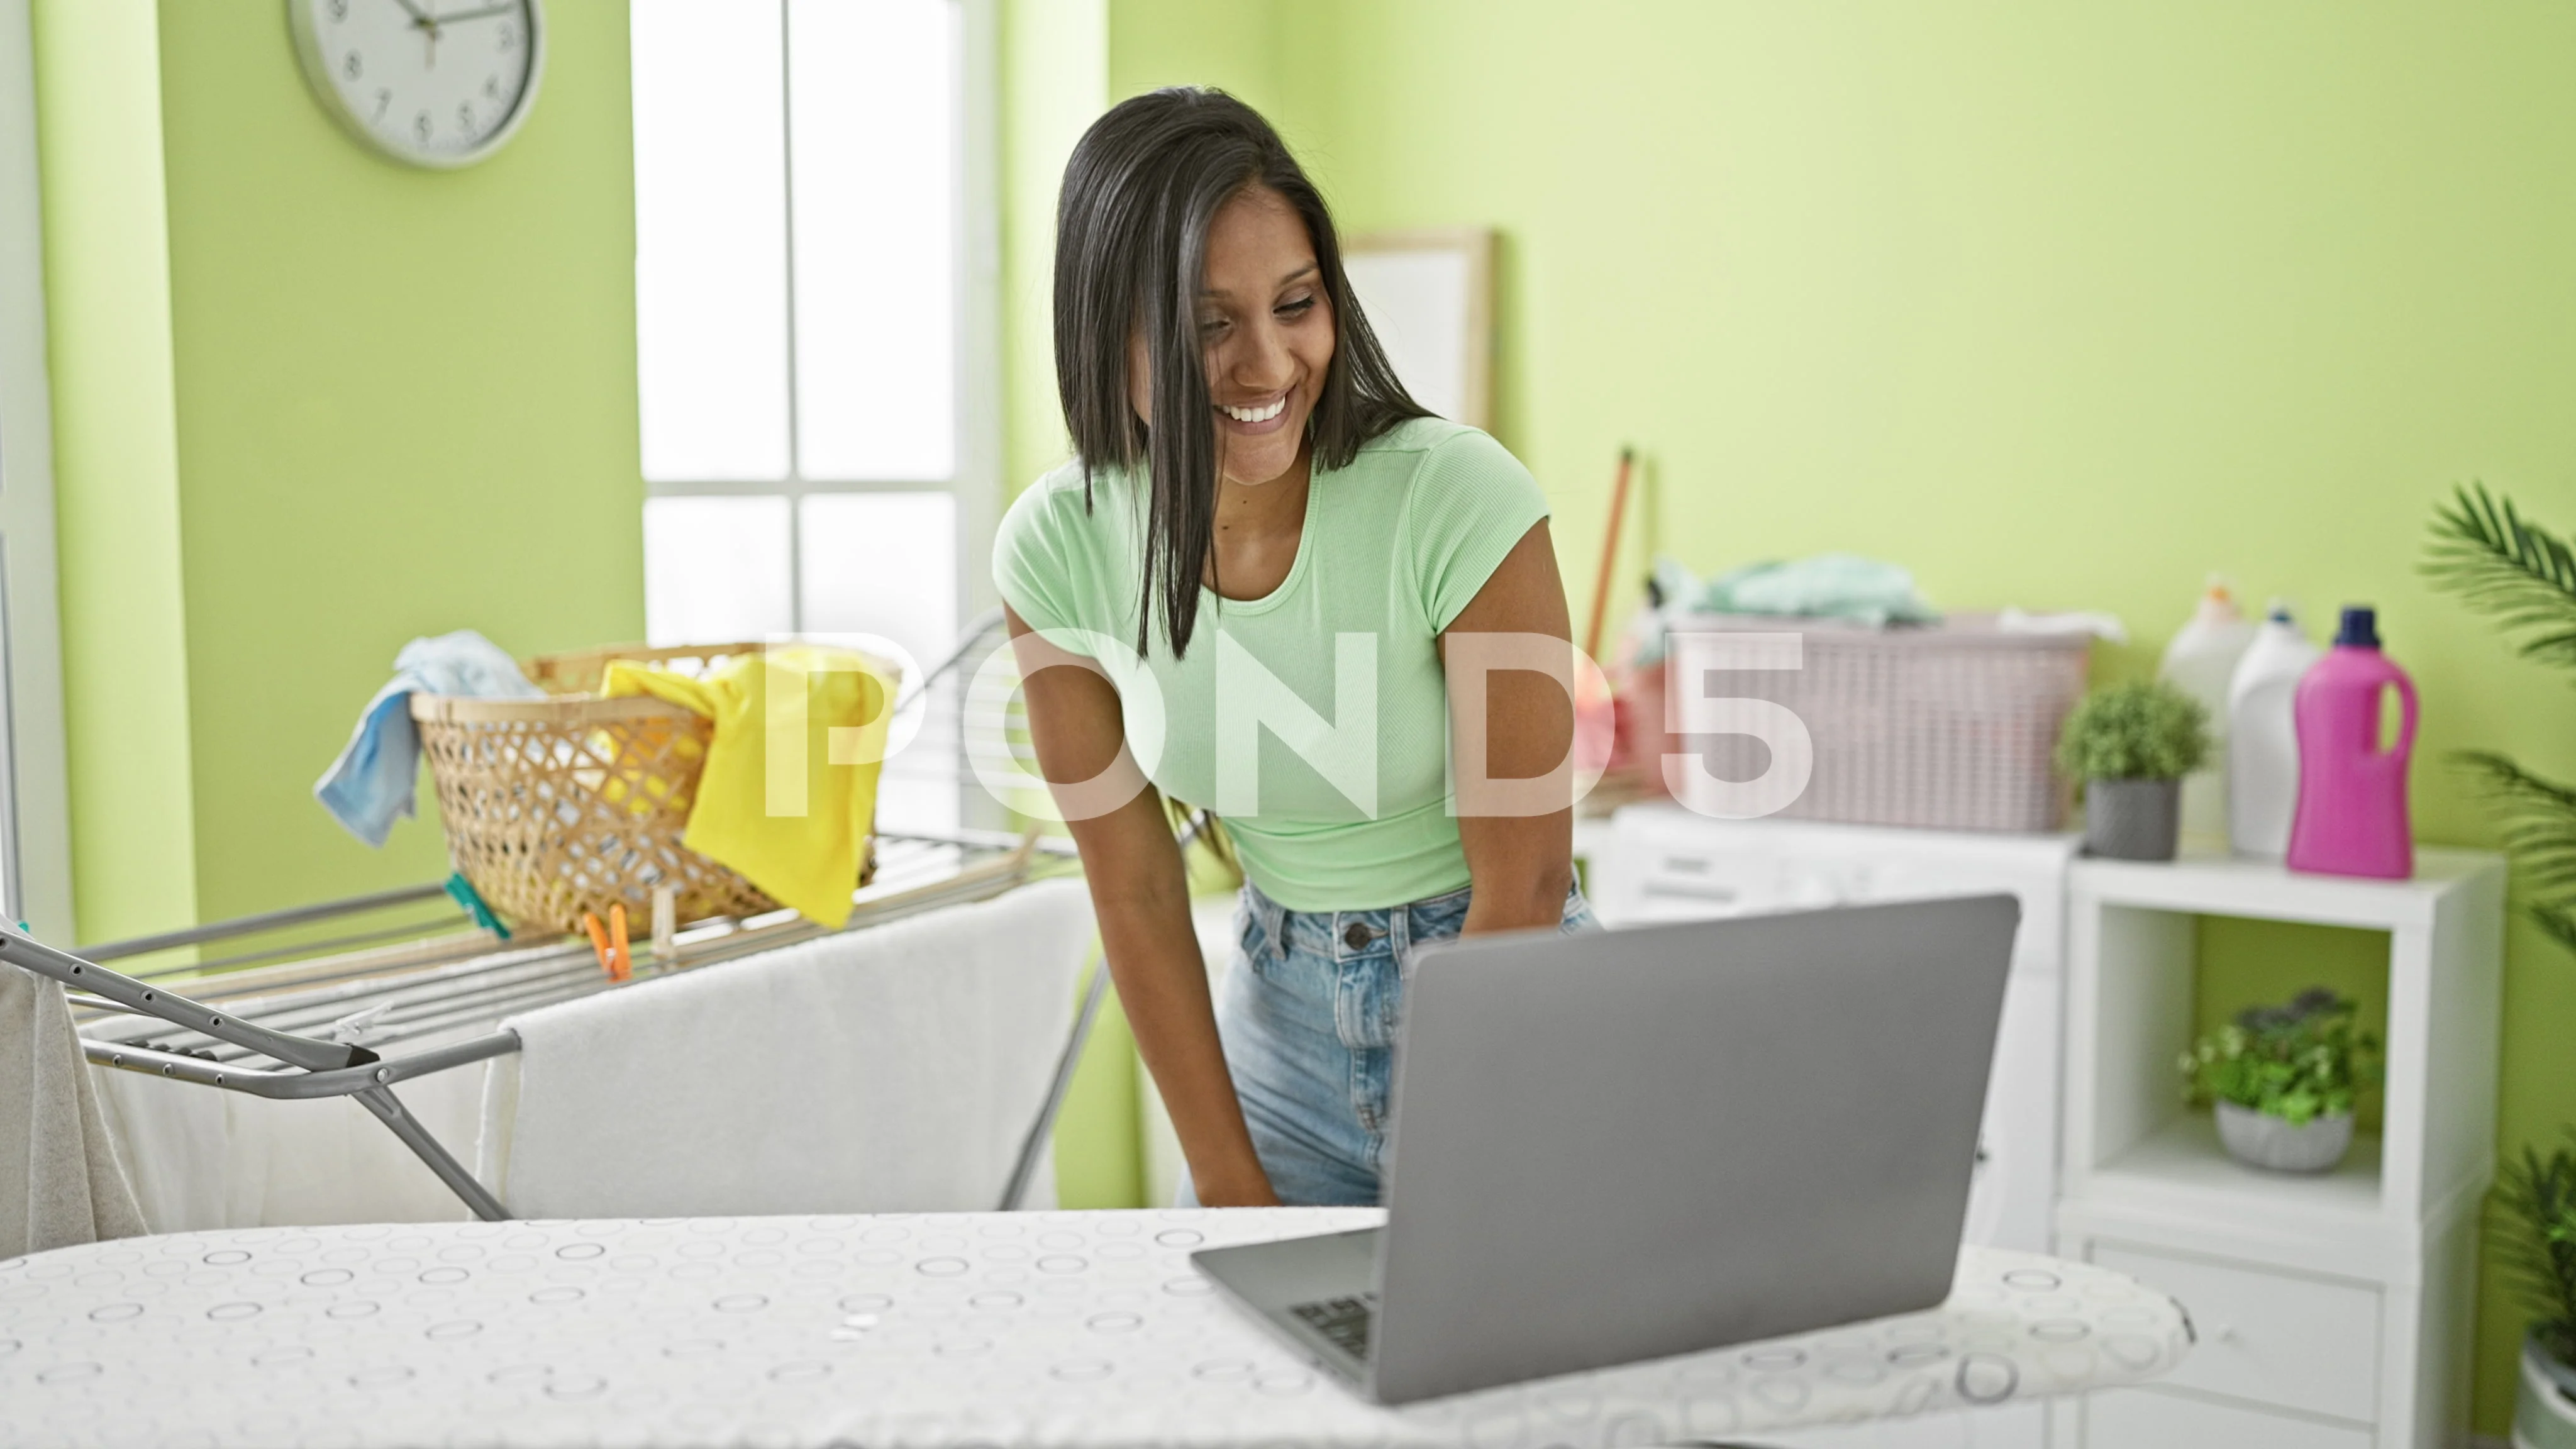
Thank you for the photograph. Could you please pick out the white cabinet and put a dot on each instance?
(2334, 1309)
(2283, 1339)
(2160, 1419)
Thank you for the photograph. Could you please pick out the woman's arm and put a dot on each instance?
(1140, 892)
(1520, 865)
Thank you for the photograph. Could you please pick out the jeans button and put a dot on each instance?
(1356, 936)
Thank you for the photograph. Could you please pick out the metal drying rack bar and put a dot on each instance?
(291, 1025)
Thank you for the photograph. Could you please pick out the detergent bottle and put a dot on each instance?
(2200, 661)
(2263, 737)
(2351, 817)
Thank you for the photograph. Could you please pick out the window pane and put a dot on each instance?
(874, 101)
(715, 570)
(710, 241)
(882, 563)
(886, 563)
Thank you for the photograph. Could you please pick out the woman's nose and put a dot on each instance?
(1261, 360)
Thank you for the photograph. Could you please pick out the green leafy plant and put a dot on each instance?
(2297, 1062)
(2534, 1234)
(2507, 566)
(2135, 731)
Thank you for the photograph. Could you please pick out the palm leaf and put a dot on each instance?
(2502, 564)
(2559, 922)
(2540, 829)
(2534, 1238)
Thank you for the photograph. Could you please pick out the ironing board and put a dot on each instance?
(930, 1329)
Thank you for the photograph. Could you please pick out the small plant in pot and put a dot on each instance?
(2533, 1228)
(2130, 745)
(2283, 1080)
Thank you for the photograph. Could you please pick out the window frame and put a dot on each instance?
(35, 802)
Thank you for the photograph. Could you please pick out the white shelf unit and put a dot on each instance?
(2333, 1310)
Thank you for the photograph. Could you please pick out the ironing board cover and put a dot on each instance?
(982, 1328)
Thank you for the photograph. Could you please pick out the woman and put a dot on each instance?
(1283, 536)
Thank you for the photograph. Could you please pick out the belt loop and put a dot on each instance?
(1274, 926)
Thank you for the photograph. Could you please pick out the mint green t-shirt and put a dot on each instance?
(1265, 719)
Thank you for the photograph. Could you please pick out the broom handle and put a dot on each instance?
(1609, 556)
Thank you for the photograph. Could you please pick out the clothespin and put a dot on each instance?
(465, 895)
(609, 942)
(666, 928)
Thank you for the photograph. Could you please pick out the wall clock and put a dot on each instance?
(438, 83)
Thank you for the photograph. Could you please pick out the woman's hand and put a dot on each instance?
(1520, 852)
(1140, 893)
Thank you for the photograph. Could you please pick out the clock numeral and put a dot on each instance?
(492, 86)
(384, 98)
(420, 125)
(353, 66)
(509, 37)
(465, 118)
(339, 10)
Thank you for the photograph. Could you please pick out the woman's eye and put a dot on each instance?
(1298, 308)
(1211, 327)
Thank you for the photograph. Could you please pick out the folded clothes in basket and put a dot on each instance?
(370, 785)
(788, 795)
(1828, 586)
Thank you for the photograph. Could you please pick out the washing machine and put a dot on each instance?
(1659, 863)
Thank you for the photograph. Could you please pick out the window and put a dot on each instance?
(809, 211)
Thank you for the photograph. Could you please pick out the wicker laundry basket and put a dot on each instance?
(1948, 727)
(574, 803)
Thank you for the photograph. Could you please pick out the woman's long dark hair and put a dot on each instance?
(1143, 187)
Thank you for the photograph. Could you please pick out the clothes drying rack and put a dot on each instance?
(356, 1014)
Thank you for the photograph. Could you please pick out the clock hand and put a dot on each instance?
(414, 12)
(485, 13)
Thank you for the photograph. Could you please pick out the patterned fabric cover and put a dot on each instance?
(976, 1328)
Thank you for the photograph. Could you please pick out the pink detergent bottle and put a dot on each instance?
(2351, 815)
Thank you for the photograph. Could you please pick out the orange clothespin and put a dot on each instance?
(609, 942)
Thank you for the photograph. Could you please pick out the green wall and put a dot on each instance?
(313, 404)
(2061, 306)
(406, 404)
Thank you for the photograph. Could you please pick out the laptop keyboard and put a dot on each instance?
(1344, 1321)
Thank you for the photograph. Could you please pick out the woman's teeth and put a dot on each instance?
(1255, 415)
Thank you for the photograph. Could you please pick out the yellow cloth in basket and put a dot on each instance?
(789, 791)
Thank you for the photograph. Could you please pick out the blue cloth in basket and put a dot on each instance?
(370, 785)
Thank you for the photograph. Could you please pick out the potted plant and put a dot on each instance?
(2283, 1080)
(2130, 745)
(2534, 1233)
(2514, 568)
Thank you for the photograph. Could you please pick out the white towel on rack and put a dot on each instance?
(892, 1068)
(202, 1158)
(59, 1179)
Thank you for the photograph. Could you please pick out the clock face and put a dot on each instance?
(431, 82)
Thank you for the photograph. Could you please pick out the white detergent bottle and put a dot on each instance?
(2200, 661)
(2262, 737)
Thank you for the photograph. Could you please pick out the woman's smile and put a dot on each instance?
(1264, 415)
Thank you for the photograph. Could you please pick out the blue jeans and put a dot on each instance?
(1308, 1016)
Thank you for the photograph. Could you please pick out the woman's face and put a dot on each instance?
(1266, 331)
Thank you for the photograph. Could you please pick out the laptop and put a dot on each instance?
(1625, 1145)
